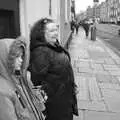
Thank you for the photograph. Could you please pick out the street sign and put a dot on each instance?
(95, 0)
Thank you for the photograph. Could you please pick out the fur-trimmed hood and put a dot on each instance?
(8, 47)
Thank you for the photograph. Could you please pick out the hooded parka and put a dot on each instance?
(17, 101)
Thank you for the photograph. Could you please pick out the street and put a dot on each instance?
(109, 33)
(97, 74)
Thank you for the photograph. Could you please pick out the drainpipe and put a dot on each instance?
(50, 8)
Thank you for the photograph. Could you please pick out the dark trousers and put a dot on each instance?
(86, 32)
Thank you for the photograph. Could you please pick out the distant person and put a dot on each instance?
(77, 27)
(72, 25)
(86, 28)
(51, 68)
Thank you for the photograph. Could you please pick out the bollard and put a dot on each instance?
(93, 33)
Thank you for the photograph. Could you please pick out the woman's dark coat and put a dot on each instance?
(50, 67)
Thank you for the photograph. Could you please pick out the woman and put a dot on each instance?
(50, 67)
(17, 101)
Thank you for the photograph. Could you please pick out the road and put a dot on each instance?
(109, 33)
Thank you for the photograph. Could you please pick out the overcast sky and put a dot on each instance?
(81, 5)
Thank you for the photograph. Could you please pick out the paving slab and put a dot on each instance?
(96, 66)
(112, 99)
(92, 105)
(117, 61)
(94, 90)
(109, 61)
(107, 79)
(109, 86)
(100, 60)
(97, 54)
(103, 78)
(94, 115)
(110, 67)
(82, 64)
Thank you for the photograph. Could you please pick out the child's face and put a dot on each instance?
(18, 61)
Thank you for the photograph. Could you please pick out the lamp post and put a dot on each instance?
(93, 28)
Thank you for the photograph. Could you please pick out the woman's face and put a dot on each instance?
(51, 32)
(18, 61)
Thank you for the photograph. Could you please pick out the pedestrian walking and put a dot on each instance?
(72, 25)
(86, 28)
(17, 101)
(77, 27)
(50, 67)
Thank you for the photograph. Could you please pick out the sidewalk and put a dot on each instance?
(97, 74)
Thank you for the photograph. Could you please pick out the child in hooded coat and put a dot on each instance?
(17, 99)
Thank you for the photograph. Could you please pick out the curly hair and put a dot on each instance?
(38, 30)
